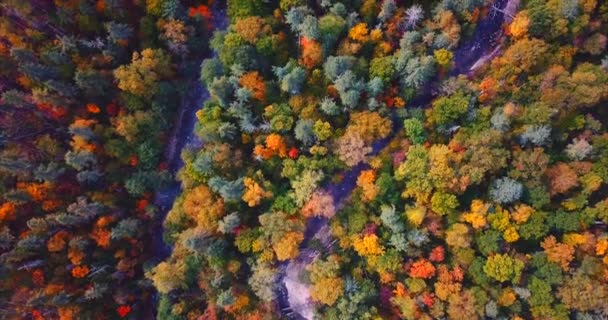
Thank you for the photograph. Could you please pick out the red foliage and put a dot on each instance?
(123, 311)
(133, 161)
(428, 299)
(438, 254)
(293, 153)
(37, 315)
(38, 278)
(142, 204)
(112, 109)
(204, 12)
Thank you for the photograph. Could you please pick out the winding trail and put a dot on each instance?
(293, 296)
(182, 136)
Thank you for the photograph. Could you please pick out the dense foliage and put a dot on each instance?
(90, 91)
(486, 199)
(354, 159)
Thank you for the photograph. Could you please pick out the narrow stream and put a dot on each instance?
(293, 296)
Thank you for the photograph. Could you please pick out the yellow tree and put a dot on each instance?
(204, 207)
(147, 68)
(287, 247)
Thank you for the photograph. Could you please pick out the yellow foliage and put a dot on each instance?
(458, 236)
(368, 245)
(507, 298)
(519, 27)
(327, 290)
(359, 32)
(254, 193)
(202, 206)
(287, 247)
(443, 56)
(477, 216)
(146, 69)
(416, 215)
(376, 35)
(574, 239)
(511, 234)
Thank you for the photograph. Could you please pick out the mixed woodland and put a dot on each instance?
(351, 136)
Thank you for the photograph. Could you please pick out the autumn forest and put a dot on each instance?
(303, 159)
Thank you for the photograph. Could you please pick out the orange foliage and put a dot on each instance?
(37, 191)
(50, 205)
(101, 237)
(254, 193)
(366, 182)
(422, 269)
(7, 211)
(57, 242)
(275, 145)
(75, 256)
(519, 27)
(312, 53)
(559, 253)
(562, 178)
(93, 108)
(80, 271)
(254, 82)
(488, 88)
(201, 10)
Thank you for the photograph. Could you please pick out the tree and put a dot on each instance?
(263, 281)
(559, 253)
(147, 68)
(382, 67)
(287, 247)
(327, 285)
(447, 110)
(312, 53)
(251, 29)
(254, 193)
(583, 293)
(458, 236)
(562, 178)
(352, 149)
(253, 82)
(520, 24)
(167, 277)
(503, 268)
(368, 245)
(359, 32)
(291, 78)
(304, 131)
(414, 128)
(320, 204)
(210, 69)
(506, 190)
(413, 15)
(201, 205)
(422, 269)
(444, 57)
